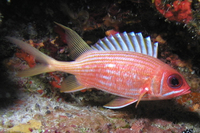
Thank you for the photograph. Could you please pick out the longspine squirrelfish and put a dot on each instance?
(124, 65)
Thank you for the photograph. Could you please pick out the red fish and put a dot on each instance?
(124, 65)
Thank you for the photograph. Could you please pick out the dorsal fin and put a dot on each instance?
(127, 42)
(118, 42)
(76, 44)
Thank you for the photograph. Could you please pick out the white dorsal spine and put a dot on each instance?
(155, 50)
(141, 43)
(121, 42)
(127, 42)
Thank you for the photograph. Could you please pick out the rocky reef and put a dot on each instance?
(35, 104)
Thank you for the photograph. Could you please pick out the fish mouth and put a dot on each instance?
(186, 91)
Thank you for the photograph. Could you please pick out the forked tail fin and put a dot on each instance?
(46, 61)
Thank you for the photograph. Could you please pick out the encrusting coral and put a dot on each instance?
(179, 11)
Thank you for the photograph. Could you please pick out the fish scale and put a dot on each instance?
(95, 61)
(129, 56)
(99, 69)
(117, 56)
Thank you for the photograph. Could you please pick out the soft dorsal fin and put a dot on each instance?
(76, 44)
(127, 42)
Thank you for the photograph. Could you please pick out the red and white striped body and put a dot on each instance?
(125, 65)
(122, 73)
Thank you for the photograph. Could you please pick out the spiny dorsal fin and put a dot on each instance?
(76, 44)
(127, 42)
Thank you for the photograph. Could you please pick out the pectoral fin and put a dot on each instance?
(119, 102)
(70, 84)
(142, 93)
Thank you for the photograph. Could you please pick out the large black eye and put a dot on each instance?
(174, 81)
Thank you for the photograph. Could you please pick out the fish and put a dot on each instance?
(124, 64)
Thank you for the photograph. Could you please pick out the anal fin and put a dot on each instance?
(120, 102)
(70, 84)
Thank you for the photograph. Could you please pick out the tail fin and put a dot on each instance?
(39, 56)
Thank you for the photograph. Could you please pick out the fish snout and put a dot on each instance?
(186, 91)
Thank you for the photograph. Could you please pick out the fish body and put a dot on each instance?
(133, 76)
(124, 74)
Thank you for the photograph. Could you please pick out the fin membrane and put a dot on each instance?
(127, 42)
(70, 84)
(38, 69)
(39, 56)
(76, 44)
(118, 42)
(120, 102)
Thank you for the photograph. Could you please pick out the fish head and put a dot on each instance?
(173, 84)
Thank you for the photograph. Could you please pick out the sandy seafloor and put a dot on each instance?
(34, 104)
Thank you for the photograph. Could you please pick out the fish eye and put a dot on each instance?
(174, 81)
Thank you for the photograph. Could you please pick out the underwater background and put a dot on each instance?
(35, 104)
